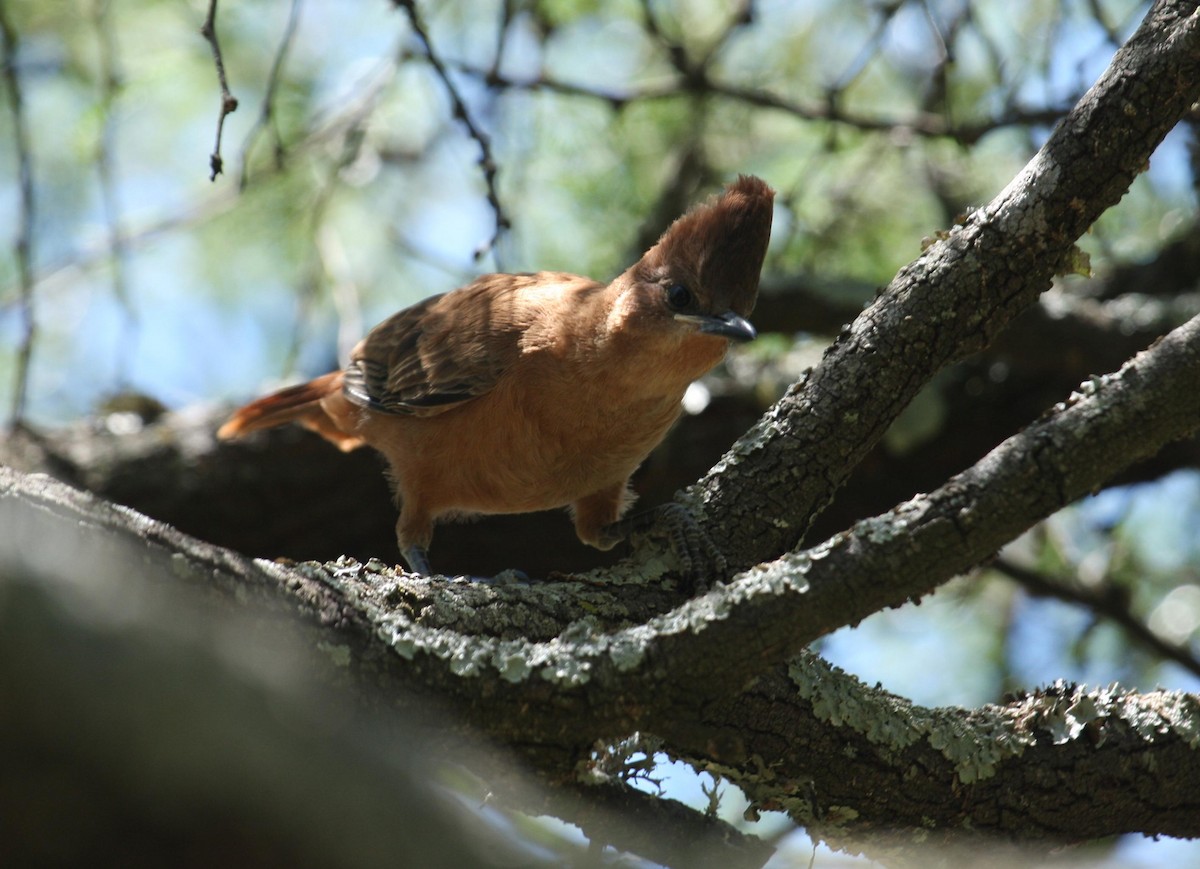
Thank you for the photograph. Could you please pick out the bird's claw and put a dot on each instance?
(699, 557)
(417, 559)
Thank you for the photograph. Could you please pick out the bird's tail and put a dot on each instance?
(300, 404)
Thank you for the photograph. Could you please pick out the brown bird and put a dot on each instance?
(525, 392)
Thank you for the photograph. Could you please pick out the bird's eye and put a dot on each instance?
(679, 296)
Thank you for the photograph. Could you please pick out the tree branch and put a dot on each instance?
(1108, 601)
(677, 663)
(954, 299)
(229, 103)
(773, 611)
(9, 41)
(862, 768)
(267, 120)
(158, 685)
(487, 162)
(970, 766)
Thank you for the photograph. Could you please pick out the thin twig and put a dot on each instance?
(675, 50)
(87, 258)
(229, 102)
(740, 16)
(507, 12)
(266, 115)
(310, 283)
(486, 162)
(25, 218)
(869, 51)
(1111, 604)
(923, 124)
(110, 84)
(344, 290)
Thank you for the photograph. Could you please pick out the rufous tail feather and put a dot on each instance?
(299, 404)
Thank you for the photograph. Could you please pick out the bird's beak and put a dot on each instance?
(727, 325)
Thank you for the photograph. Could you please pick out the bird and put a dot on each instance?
(533, 391)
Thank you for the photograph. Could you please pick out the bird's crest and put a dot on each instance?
(722, 242)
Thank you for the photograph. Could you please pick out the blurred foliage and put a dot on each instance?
(878, 122)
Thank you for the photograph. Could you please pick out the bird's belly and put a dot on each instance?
(525, 456)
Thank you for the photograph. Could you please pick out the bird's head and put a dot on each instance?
(702, 275)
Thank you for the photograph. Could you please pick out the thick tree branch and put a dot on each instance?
(773, 611)
(622, 679)
(137, 660)
(544, 695)
(674, 665)
(585, 683)
(580, 684)
(143, 726)
(955, 298)
(860, 767)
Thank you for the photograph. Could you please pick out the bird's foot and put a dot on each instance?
(417, 559)
(699, 557)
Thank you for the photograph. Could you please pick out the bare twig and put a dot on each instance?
(486, 161)
(1109, 602)
(308, 290)
(110, 84)
(266, 115)
(24, 241)
(344, 290)
(229, 102)
(675, 49)
(869, 51)
(507, 13)
(740, 15)
(923, 124)
(90, 257)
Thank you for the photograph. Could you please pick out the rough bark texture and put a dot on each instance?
(683, 674)
(199, 706)
(252, 498)
(955, 298)
(850, 761)
(782, 739)
(550, 668)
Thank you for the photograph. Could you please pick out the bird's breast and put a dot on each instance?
(554, 429)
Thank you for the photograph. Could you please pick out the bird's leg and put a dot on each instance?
(412, 527)
(414, 532)
(417, 559)
(596, 513)
(699, 557)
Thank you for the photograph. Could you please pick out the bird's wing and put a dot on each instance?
(443, 351)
